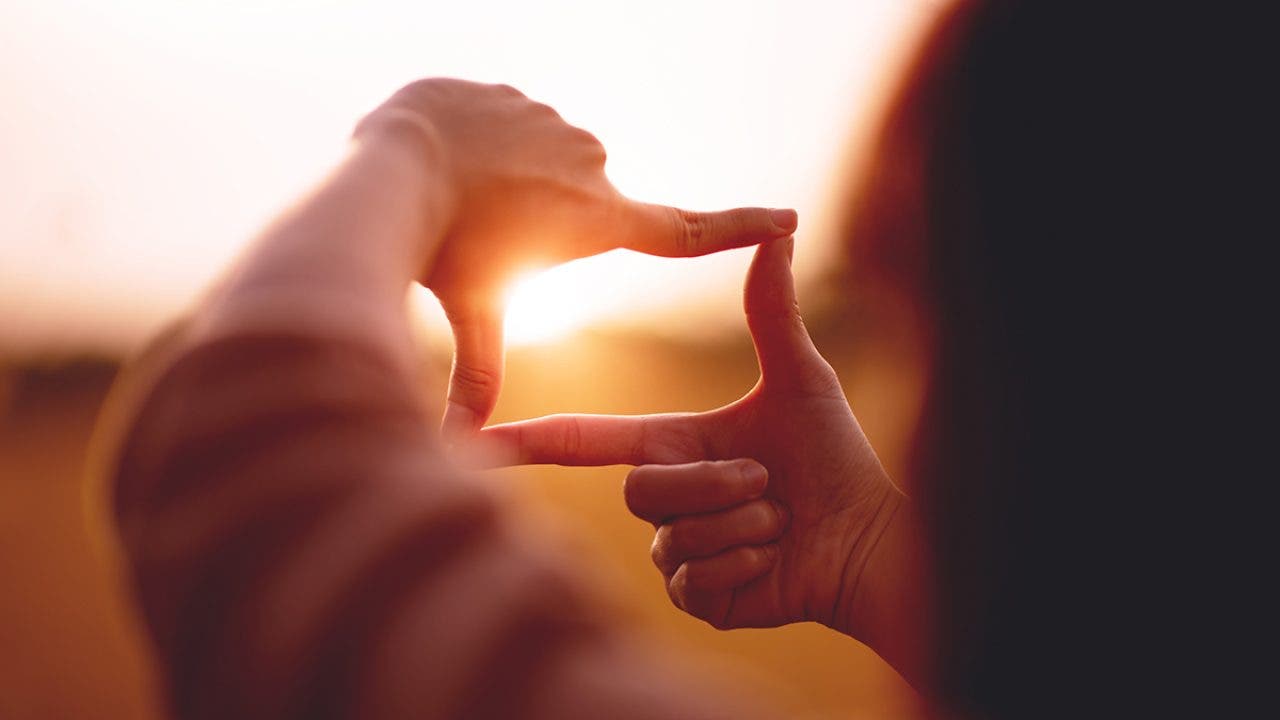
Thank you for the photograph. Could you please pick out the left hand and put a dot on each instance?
(514, 186)
(768, 509)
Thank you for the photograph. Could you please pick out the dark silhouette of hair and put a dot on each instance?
(986, 205)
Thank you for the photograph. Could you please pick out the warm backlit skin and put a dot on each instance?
(301, 540)
(771, 510)
(459, 185)
(514, 186)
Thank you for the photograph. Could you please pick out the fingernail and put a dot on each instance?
(755, 476)
(785, 219)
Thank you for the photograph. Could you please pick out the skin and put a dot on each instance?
(459, 185)
(768, 511)
(522, 188)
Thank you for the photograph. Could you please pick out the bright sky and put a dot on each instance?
(142, 142)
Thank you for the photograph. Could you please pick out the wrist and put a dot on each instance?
(886, 603)
(858, 578)
(417, 157)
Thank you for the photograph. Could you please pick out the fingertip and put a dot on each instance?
(769, 295)
(755, 477)
(785, 220)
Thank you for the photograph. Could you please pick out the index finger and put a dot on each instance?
(600, 439)
(672, 232)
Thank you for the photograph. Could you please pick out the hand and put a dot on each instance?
(767, 509)
(519, 187)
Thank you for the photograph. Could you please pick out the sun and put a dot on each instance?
(549, 305)
(545, 306)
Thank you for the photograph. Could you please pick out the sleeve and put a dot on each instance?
(299, 549)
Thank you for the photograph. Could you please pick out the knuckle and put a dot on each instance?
(593, 148)
(545, 109)
(793, 315)
(689, 230)
(573, 437)
(770, 553)
(761, 557)
(596, 155)
(679, 583)
(424, 91)
(678, 587)
(697, 576)
(713, 471)
(675, 439)
(642, 439)
(659, 552)
(719, 622)
(473, 379)
(768, 517)
(418, 88)
(411, 100)
(687, 536)
(586, 135)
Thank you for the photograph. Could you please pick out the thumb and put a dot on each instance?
(785, 350)
(476, 375)
(671, 232)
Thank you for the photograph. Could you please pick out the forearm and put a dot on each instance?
(888, 609)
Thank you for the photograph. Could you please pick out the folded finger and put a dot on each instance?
(704, 587)
(658, 492)
(704, 536)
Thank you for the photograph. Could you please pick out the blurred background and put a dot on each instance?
(143, 142)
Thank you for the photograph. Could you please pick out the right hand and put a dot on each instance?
(518, 187)
(768, 509)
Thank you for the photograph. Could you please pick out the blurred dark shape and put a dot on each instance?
(72, 646)
(998, 234)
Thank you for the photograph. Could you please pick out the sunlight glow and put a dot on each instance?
(145, 141)
(547, 305)
(541, 307)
